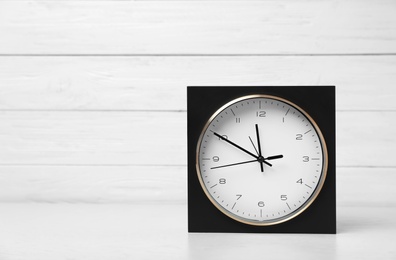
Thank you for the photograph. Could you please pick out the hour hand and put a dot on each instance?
(274, 157)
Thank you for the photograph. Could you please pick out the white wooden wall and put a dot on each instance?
(93, 93)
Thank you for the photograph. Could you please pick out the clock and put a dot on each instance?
(261, 159)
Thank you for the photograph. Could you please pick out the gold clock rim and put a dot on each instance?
(306, 204)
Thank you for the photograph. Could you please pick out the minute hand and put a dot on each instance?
(240, 148)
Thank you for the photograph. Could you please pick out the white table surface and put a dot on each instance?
(130, 231)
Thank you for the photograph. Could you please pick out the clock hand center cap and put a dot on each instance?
(260, 159)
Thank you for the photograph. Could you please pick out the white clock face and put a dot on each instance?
(261, 160)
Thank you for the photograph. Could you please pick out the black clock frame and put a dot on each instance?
(318, 102)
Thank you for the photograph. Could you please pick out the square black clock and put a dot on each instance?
(261, 159)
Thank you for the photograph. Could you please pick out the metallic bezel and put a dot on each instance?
(306, 204)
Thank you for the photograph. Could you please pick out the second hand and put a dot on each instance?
(232, 164)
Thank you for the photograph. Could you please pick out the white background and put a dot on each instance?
(93, 120)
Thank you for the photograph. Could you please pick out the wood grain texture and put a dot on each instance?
(159, 83)
(159, 138)
(94, 184)
(93, 121)
(161, 185)
(93, 93)
(134, 138)
(197, 27)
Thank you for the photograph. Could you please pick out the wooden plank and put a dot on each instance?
(356, 187)
(159, 138)
(365, 187)
(132, 138)
(93, 184)
(366, 139)
(159, 83)
(197, 27)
